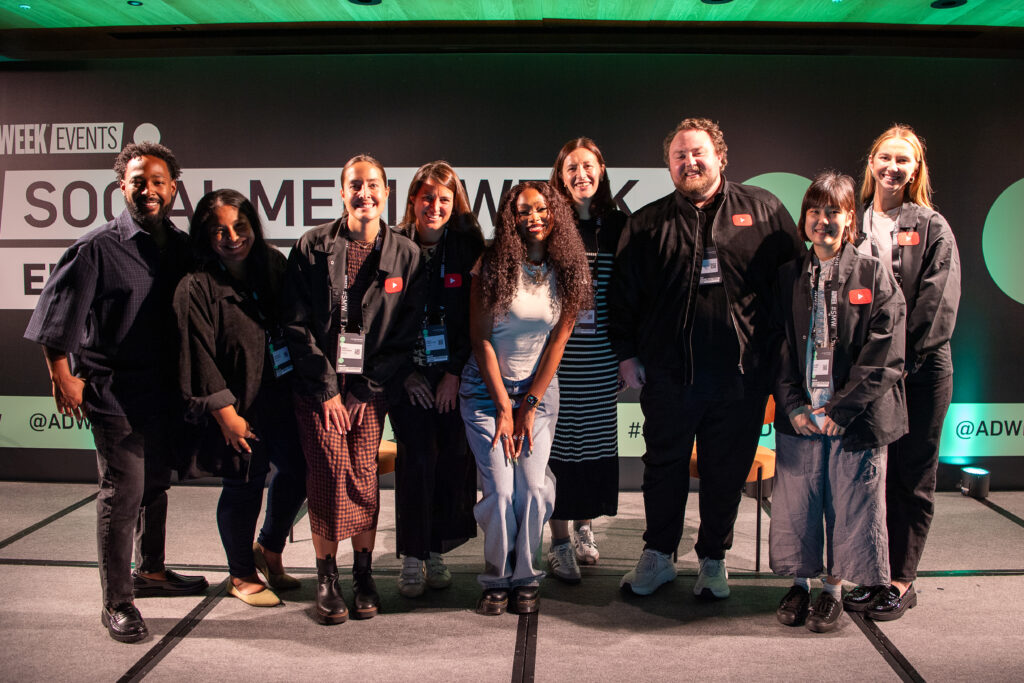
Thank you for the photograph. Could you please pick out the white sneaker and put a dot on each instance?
(712, 581)
(651, 571)
(585, 546)
(438, 575)
(562, 563)
(410, 580)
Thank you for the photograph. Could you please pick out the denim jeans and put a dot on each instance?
(518, 498)
(131, 508)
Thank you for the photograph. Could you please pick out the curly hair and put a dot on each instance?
(919, 189)
(146, 149)
(502, 261)
(602, 201)
(708, 126)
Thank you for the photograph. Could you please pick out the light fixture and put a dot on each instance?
(974, 482)
(135, 3)
(24, 5)
(948, 4)
(365, 2)
(715, 2)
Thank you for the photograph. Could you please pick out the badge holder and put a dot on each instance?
(435, 343)
(350, 353)
(586, 322)
(710, 274)
(280, 358)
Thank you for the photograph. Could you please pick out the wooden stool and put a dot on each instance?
(385, 465)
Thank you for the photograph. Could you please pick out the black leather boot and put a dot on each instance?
(330, 605)
(367, 602)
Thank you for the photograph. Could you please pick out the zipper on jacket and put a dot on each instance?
(732, 313)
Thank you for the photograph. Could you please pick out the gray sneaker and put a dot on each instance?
(585, 546)
(411, 580)
(712, 581)
(438, 575)
(562, 563)
(653, 570)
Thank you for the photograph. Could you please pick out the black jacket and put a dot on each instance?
(867, 367)
(461, 251)
(391, 319)
(222, 361)
(657, 271)
(929, 276)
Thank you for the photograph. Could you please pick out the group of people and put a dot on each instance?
(213, 354)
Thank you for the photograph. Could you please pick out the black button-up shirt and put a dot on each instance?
(107, 305)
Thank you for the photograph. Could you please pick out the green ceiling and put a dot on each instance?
(43, 14)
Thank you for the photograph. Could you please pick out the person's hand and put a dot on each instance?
(522, 429)
(419, 390)
(447, 392)
(503, 431)
(336, 416)
(633, 373)
(802, 422)
(829, 428)
(67, 394)
(235, 429)
(355, 409)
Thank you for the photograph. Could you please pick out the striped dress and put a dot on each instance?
(584, 456)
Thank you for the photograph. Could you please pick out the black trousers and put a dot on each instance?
(911, 471)
(435, 478)
(131, 509)
(727, 433)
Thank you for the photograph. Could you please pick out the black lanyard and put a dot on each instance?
(436, 291)
(831, 307)
(377, 243)
(897, 254)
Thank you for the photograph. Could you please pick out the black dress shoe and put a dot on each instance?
(124, 623)
(493, 602)
(330, 605)
(824, 614)
(174, 584)
(861, 597)
(525, 599)
(891, 605)
(793, 609)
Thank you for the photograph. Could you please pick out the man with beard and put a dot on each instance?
(104, 320)
(690, 305)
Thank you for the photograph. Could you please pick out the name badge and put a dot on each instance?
(709, 272)
(435, 342)
(350, 354)
(280, 358)
(821, 371)
(586, 322)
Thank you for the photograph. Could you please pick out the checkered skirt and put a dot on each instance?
(341, 470)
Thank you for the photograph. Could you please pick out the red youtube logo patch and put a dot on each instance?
(860, 296)
(453, 280)
(392, 285)
(908, 239)
(742, 220)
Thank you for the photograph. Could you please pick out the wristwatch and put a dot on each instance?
(532, 400)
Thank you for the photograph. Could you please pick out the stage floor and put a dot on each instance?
(968, 624)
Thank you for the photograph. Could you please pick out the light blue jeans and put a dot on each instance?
(518, 499)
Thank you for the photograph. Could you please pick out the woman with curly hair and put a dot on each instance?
(526, 292)
(435, 475)
(585, 453)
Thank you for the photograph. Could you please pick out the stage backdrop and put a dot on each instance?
(279, 129)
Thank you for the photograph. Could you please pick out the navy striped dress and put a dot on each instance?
(585, 453)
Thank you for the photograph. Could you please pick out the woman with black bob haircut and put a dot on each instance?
(435, 475)
(234, 375)
(585, 452)
(527, 290)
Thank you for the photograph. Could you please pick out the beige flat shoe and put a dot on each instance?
(263, 598)
(281, 582)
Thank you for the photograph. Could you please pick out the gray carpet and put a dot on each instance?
(966, 627)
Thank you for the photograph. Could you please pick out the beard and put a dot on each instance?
(146, 219)
(697, 187)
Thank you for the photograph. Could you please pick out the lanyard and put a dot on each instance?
(436, 290)
(830, 302)
(377, 243)
(897, 258)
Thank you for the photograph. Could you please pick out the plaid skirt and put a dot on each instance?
(341, 470)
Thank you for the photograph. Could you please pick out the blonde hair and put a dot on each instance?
(918, 190)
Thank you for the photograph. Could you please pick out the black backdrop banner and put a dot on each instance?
(279, 128)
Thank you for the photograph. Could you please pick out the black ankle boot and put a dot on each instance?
(330, 605)
(367, 602)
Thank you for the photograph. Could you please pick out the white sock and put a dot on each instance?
(835, 590)
(803, 583)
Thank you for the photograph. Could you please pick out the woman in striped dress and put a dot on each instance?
(584, 456)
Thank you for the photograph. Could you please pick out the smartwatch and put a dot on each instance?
(532, 400)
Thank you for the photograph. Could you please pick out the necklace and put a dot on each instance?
(535, 272)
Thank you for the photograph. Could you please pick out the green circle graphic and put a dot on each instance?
(788, 187)
(1002, 241)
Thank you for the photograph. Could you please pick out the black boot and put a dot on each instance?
(330, 605)
(367, 602)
